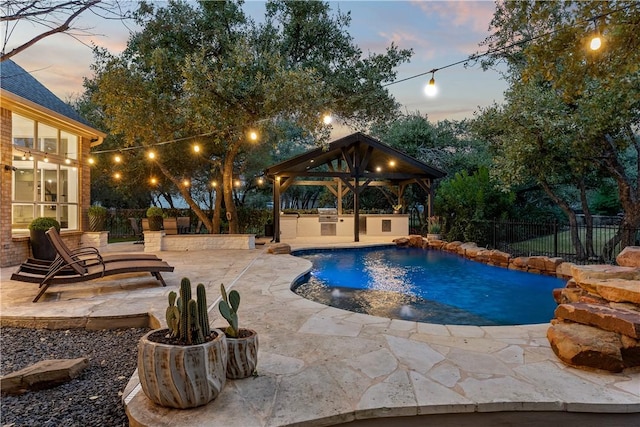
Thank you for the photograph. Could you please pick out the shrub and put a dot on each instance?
(154, 211)
(44, 223)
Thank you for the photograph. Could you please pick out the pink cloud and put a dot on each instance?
(473, 15)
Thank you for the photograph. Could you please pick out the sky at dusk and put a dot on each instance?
(439, 32)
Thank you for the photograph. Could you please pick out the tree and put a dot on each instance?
(52, 16)
(595, 95)
(209, 75)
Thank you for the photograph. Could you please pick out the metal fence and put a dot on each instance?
(599, 244)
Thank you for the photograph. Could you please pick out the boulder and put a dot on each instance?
(500, 258)
(520, 263)
(42, 375)
(401, 241)
(452, 246)
(624, 322)
(415, 240)
(584, 273)
(436, 244)
(279, 249)
(619, 290)
(586, 347)
(564, 270)
(629, 257)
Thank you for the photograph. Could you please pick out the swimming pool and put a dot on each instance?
(426, 286)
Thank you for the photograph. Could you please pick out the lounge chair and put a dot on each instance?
(170, 226)
(39, 266)
(86, 267)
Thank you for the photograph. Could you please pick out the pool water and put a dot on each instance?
(426, 286)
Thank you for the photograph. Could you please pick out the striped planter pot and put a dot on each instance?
(243, 354)
(177, 376)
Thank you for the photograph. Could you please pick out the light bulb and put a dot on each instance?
(152, 155)
(186, 182)
(596, 42)
(91, 160)
(117, 175)
(153, 181)
(214, 184)
(260, 181)
(253, 136)
(67, 161)
(196, 148)
(430, 89)
(117, 158)
(327, 119)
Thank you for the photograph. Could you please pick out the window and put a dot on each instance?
(46, 179)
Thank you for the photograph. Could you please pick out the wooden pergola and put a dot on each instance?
(351, 164)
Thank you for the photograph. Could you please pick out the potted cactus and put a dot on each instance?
(97, 217)
(41, 247)
(154, 214)
(183, 365)
(242, 343)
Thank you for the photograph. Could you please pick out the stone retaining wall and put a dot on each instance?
(156, 241)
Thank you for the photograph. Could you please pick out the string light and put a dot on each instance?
(91, 160)
(151, 155)
(214, 184)
(46, 159)
(260, 181)
(327, 119)
(117, 158)
(30, 156)
(117, 175)
(24, 156)
(196, 148)
(253, 136)
(186, 182)
(430, 89)
(153, 180)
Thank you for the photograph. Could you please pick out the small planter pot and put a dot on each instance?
(243, 354)
(41, 247)
(177, 376)
(155, 223)
(97, 222)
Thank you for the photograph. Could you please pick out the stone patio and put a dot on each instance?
(324, 366)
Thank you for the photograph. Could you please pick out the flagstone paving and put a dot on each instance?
(321, 366)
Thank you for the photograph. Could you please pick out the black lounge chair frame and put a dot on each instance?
(85, 265)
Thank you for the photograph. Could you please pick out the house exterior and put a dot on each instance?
(44, 168)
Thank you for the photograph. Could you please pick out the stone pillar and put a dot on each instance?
(98, 240)
(153, 241)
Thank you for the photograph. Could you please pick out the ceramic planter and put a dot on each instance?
(177, 376)
(155, 223)
(41, 247)
(97, 222)
(243, 354)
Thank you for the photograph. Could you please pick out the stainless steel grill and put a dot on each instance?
(327, 215)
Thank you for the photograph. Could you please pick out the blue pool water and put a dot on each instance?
(428, 286)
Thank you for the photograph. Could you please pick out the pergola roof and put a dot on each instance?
(356, 155)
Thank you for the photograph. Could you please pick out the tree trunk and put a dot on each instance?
(202, 216)
(573, 222)
(227, 186)
(588, 220)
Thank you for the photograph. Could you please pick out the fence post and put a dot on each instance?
(493, 232)
(555, 237)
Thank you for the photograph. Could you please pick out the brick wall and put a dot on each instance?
(15, 250)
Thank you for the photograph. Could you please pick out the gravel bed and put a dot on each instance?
(92, 399)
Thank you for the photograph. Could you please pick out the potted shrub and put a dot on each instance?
(242, 343)
(41, 247)
(184, 365)
(154, 214)
(97, 218)
(434, 227)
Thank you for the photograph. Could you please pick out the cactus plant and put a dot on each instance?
(188, 320)
(229, 309)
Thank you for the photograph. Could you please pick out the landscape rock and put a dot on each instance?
(629, 257)
(401, 241)
(42, 375)
(279, 249)
(584, 273)
(415, 240)
(586, 346)
(620, 290)
(624, 322)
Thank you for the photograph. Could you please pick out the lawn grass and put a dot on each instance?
(545, 244)
(123, 239)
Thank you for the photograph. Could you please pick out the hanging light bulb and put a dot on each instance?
(186, 183)
(24, 156)
(196, 148)
(153, 180)
(30, 156)
(117, 175)
(596, 42)
(260, 181)
(67, 161)
(214, 184)
(430, 89)
(253, 136)
(91, 160)
(327, 119)
(117, 158)
(151, 155)
(46, 159)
